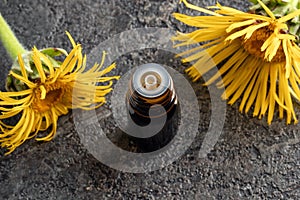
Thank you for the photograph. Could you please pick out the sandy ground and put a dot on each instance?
(251, 160)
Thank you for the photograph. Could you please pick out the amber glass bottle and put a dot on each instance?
(152, 101)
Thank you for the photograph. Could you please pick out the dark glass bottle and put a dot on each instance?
(152, 103)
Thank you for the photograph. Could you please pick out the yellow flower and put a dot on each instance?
(50, 95)
(260, 59)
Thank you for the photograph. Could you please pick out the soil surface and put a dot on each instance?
(250, 160)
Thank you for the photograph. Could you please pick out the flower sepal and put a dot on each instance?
(280, 8)
(12, 84)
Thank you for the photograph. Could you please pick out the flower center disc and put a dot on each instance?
(54, 94)
(254, 43)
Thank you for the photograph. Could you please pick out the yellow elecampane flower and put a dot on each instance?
(260, 59)
(57, 90)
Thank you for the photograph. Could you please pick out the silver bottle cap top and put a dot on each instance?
(151, 80)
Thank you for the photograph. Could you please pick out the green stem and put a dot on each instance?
(9, 40)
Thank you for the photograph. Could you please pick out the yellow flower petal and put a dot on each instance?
(259, 59)
(52, 95)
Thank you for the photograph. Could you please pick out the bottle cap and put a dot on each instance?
(151, 80)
